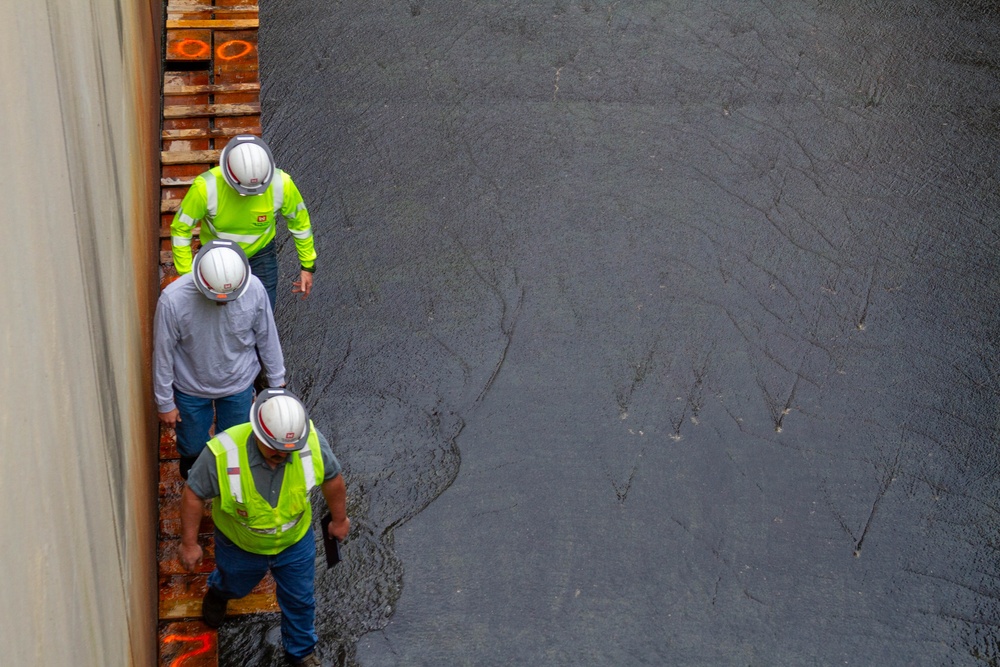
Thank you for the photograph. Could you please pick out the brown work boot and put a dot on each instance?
(311, 660)
(213, 608)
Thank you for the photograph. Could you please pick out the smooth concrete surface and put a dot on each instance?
(79, 114)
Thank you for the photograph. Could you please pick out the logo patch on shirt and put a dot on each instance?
(242, 512)
(261, 218)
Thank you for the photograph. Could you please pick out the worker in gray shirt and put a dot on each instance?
(210, 327)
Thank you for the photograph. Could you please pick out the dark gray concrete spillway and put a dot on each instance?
(649, 333)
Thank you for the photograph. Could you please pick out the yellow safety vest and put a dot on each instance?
(245, 516)
(249, 221)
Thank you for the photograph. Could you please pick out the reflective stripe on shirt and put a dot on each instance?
(211, 195)
(278, 190)
(246, 239)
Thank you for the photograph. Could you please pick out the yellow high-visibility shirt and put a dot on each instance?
(247, 220)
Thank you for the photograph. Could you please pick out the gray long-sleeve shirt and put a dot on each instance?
(210, 350)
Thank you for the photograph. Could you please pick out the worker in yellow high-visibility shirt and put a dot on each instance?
(239, 201)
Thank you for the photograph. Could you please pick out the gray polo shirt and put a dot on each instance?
(204, 475)
(210, 350)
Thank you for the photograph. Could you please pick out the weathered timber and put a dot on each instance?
(171, 88)
(190, 157)
(210, 133)
(200, 110)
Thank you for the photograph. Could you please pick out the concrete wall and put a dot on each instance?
(79, 116)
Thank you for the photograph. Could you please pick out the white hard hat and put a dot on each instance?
(247, 164)
(279, 420)
(221, 271)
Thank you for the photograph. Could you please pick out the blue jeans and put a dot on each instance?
(197, 414)
(264, 265)
(294, 571)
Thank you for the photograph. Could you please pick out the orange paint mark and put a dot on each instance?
(203, 640)
(191, 48)
(244, 49)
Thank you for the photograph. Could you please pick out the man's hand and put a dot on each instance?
(304, 284)
(340, 529)
(335, 493)
(191, 508)
(171, 418)
(190, 555)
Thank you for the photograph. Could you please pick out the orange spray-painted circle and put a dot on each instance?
(243, 48)
(191, 48)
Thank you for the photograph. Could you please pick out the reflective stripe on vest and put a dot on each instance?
(305, 458)
(271, 531)
(232, 465)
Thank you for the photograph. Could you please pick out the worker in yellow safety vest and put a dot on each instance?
(258, 476)
(240, 201)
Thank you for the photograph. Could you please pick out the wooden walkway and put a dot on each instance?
(211, 92)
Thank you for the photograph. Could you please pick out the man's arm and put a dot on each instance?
(299, 225)
(267, 341)
(335, 492)
(193, 208)
(164, 344)
(192, 508)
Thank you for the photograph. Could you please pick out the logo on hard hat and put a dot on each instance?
(290, 435)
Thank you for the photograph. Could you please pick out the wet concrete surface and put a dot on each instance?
(648, 333)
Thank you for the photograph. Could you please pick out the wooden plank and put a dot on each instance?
(212, 24)
(177, 181)
(189, 45)
(169, 205)
(237, 7)
(201, 110)
(180, 597)
(179, 175)
(235, 57)
(211, 133)
(190, 157)
(171, 87)
(193, 7)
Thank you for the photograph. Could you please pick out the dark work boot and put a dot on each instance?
(213, 608)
